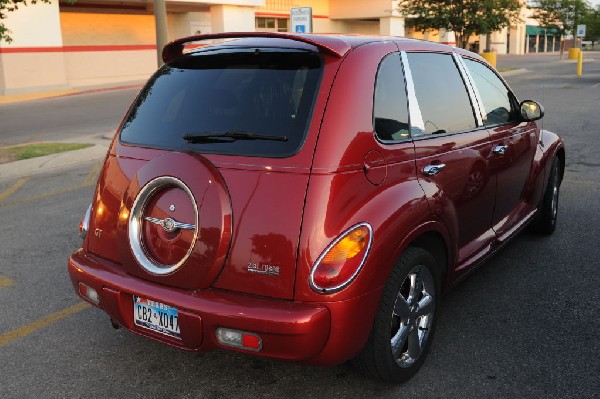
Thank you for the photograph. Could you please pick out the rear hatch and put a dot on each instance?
(205, 185)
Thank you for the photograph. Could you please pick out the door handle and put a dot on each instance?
(500, 149)
(432, 170)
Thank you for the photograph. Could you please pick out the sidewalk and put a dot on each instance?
(54, 162)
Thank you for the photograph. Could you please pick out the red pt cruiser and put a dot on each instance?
(309, 198)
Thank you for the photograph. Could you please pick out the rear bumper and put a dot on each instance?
(290, 330)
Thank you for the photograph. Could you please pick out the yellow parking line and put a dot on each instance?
(43, 196)
(89, 180)
(12, 189)
(93, 174)
(39, 324)
(5, 282)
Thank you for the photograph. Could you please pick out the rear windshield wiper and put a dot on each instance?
(228, 137)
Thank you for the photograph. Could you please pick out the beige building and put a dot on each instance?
(91, 42)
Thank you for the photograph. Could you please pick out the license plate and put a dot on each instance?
(156, 316)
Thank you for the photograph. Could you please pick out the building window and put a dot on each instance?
(268, 24)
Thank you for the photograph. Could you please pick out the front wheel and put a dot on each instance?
(545, 221)
(404, 323)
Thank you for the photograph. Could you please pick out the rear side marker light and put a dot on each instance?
(342, 260)
(239, 339)
(89, 293)
(84, 225)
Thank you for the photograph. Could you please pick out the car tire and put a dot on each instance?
(409, 304)
(545, 220)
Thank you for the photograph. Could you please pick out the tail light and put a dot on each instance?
(239, 339)
(84, 225)
(89, 293)
(342, 260)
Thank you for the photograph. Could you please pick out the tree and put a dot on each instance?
(560, 15)
(464, 17)
(592, 22)
(7, 6)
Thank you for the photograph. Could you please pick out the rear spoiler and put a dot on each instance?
(330, 45)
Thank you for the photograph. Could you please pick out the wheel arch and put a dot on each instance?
(434, 242)
(560, 154)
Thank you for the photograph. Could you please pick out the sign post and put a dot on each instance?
(301, 19)
(160, 17)
(581, 34)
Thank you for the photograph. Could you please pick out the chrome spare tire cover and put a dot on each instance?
(137, 240)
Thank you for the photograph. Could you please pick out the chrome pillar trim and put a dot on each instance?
(414, 110)
(137, 217)
(470, 84)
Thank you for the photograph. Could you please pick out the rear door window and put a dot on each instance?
(390, 109)
(441, 93)
(249, 101)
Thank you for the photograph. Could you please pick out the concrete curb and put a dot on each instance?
(19, 98)
(54, 162)
(515, 72)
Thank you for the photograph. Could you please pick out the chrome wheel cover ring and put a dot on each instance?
(136, 220)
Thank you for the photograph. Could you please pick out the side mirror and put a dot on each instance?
(531, 111)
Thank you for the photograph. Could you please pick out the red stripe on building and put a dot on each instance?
(75, 49)
(134, 47)
(283, 15)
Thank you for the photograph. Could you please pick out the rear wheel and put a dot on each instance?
(545, 221)
(404, 323)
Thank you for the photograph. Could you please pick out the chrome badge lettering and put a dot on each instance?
(263, 269)
(169, 225)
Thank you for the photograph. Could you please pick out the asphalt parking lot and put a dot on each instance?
(525, 325)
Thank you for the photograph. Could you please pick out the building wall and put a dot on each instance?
(33, 61)
(90, 43)
(189, 23)
(25, 72)
(107, 47)
(226, 18)
(283, 7)
(361, 9)
(105, 29)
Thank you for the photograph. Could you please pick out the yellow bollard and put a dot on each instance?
(490, 57)
(573, 53)
(580, 64)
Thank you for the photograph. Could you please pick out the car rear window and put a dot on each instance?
(237, 98)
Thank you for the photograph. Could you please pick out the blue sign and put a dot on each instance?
(301, 19)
